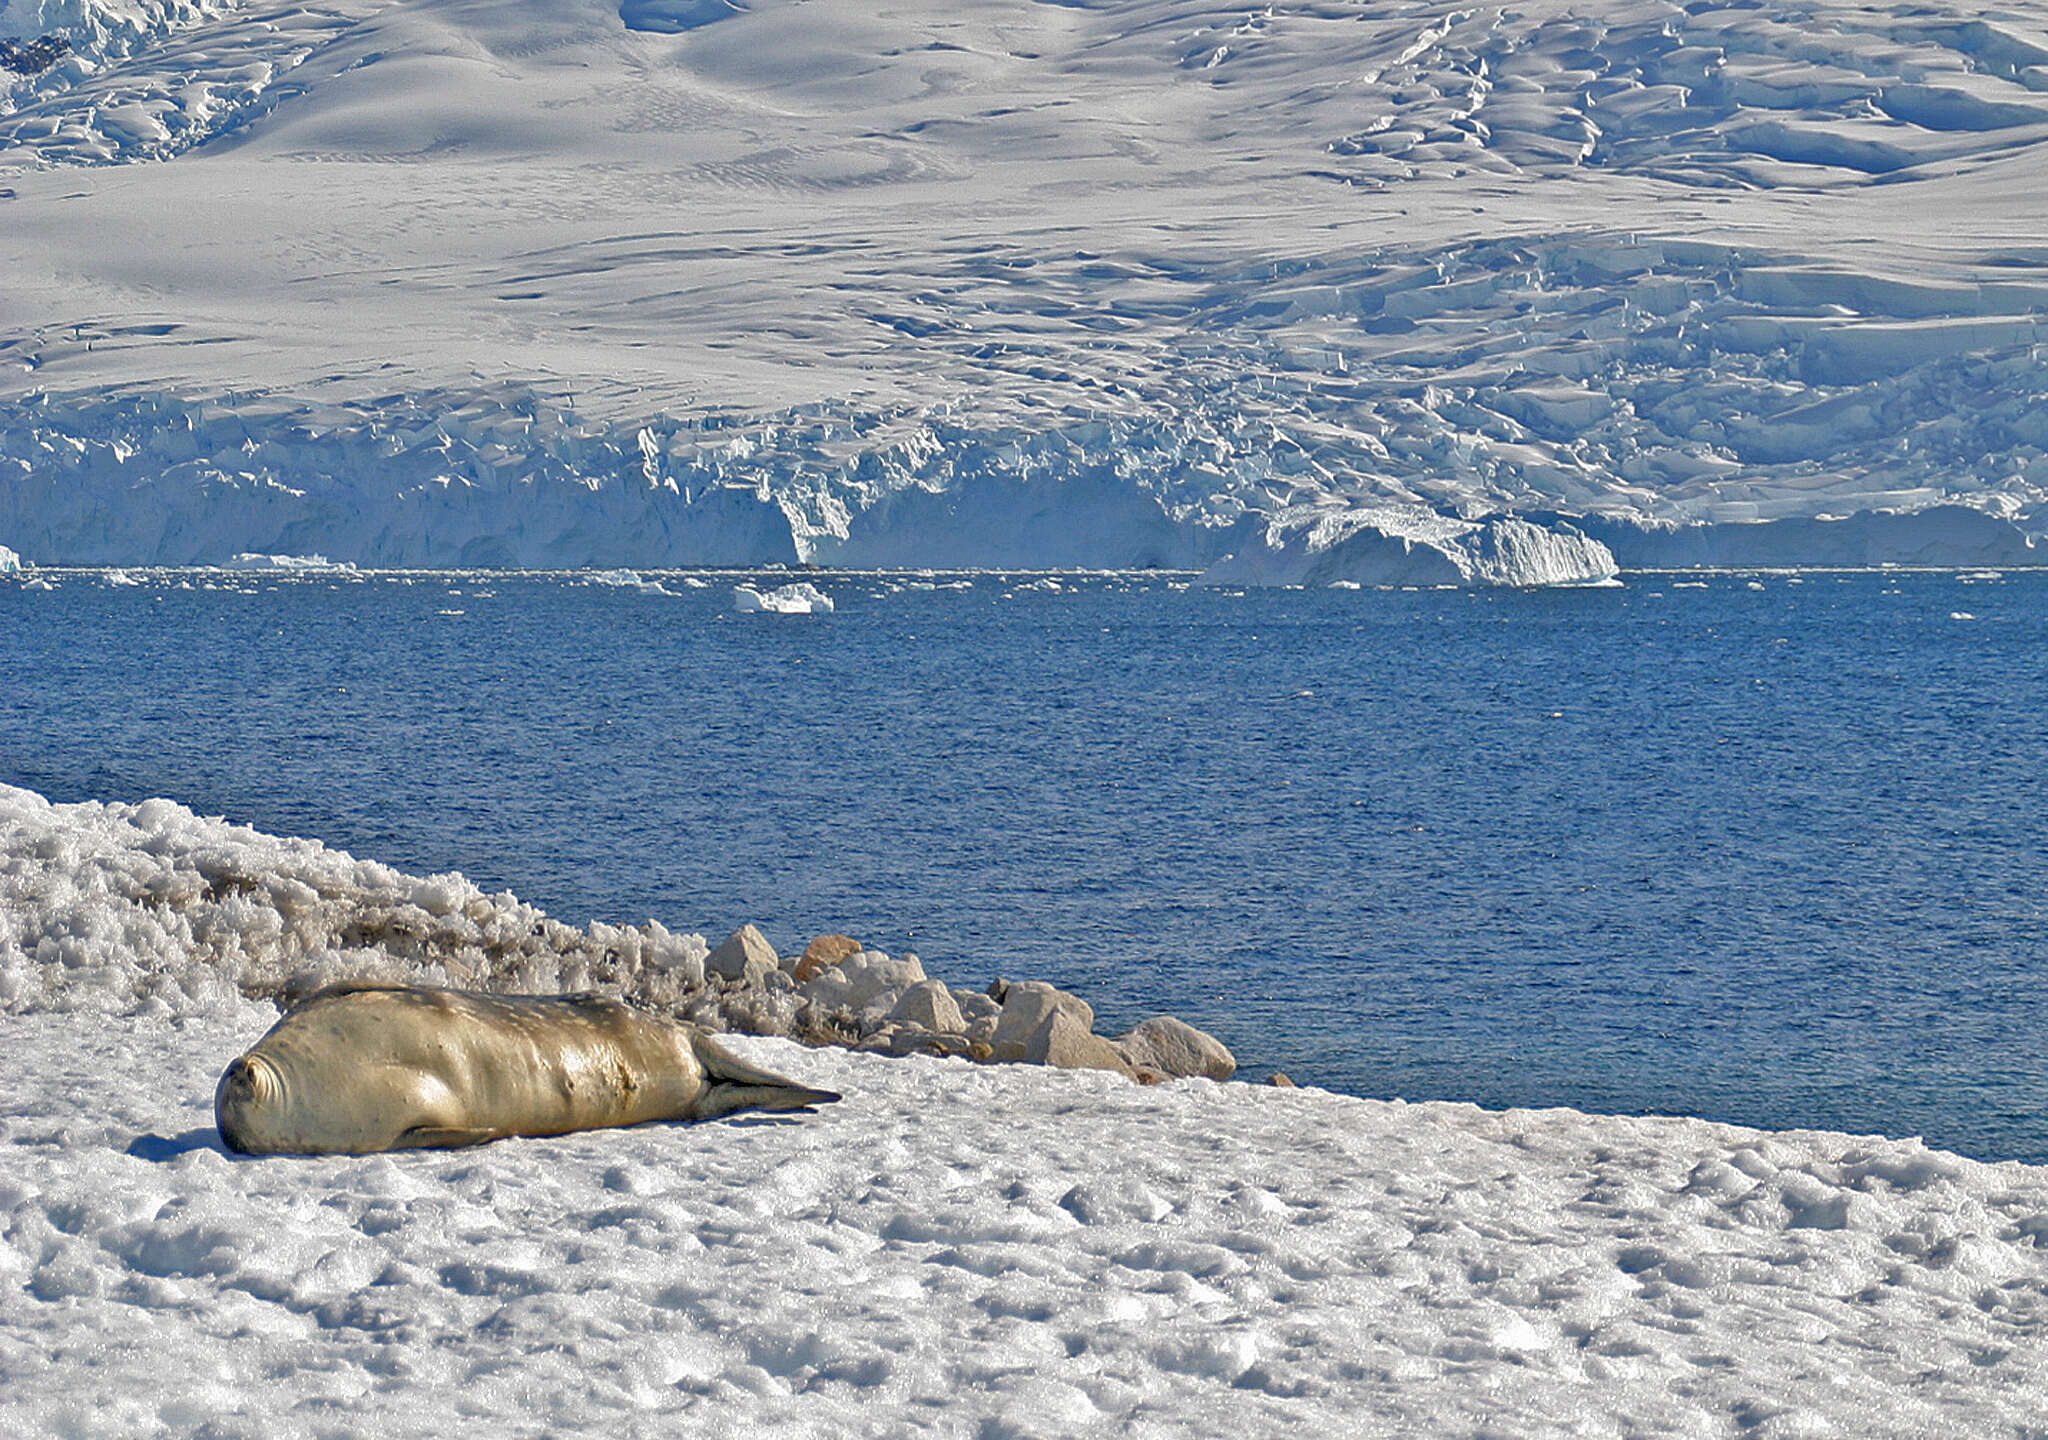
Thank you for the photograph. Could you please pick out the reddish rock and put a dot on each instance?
(823, 953)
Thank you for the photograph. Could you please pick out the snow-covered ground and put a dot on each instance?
(971, 1250)
(952, 1249)
(1022, 284)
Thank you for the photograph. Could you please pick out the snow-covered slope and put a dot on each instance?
(436, 281)
(944, 1253)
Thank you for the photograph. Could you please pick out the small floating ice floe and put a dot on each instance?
(1960, 615)
(799, 599)
(627, 580)
(251, 560)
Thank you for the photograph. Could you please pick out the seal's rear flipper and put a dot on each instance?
(724, 1099)
(736, 1085)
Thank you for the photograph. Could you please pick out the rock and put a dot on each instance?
(998, 990)
(880, 1040)
(746, 956)
(1027, 1005)
(1175, 1047)
(1279, 1077)
(1063, 1042)
(823, 953)
(975, 1006)
(863, 980)
(911, 1041)
(930, 1006)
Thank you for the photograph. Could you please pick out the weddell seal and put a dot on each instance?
(354, 1069)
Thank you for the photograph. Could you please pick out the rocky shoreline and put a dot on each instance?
(148, 907)
(839, 992)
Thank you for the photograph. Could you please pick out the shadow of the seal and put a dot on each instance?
(159, 1148)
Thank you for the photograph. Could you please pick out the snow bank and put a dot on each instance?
(950, 1250)
(115, 908)
(149, 908)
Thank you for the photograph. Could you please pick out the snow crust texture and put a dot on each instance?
(1024, 285)
(946, 1252)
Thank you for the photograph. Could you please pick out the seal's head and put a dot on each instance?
(248, 1102)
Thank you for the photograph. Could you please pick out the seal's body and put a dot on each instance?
(357, 1069)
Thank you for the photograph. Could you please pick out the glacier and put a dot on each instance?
(1282, 293)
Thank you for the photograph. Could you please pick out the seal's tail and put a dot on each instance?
(737, 1085)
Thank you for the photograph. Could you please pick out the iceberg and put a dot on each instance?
(799, 599)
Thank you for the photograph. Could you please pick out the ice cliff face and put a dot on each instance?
(1034, 285)
(1384, 546)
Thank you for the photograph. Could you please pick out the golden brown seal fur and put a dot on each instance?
(356, 1069)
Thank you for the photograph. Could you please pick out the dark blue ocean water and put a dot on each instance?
(1765, 849)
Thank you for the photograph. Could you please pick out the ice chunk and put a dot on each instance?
(628, 580)
(798, 599)
(296, 564)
